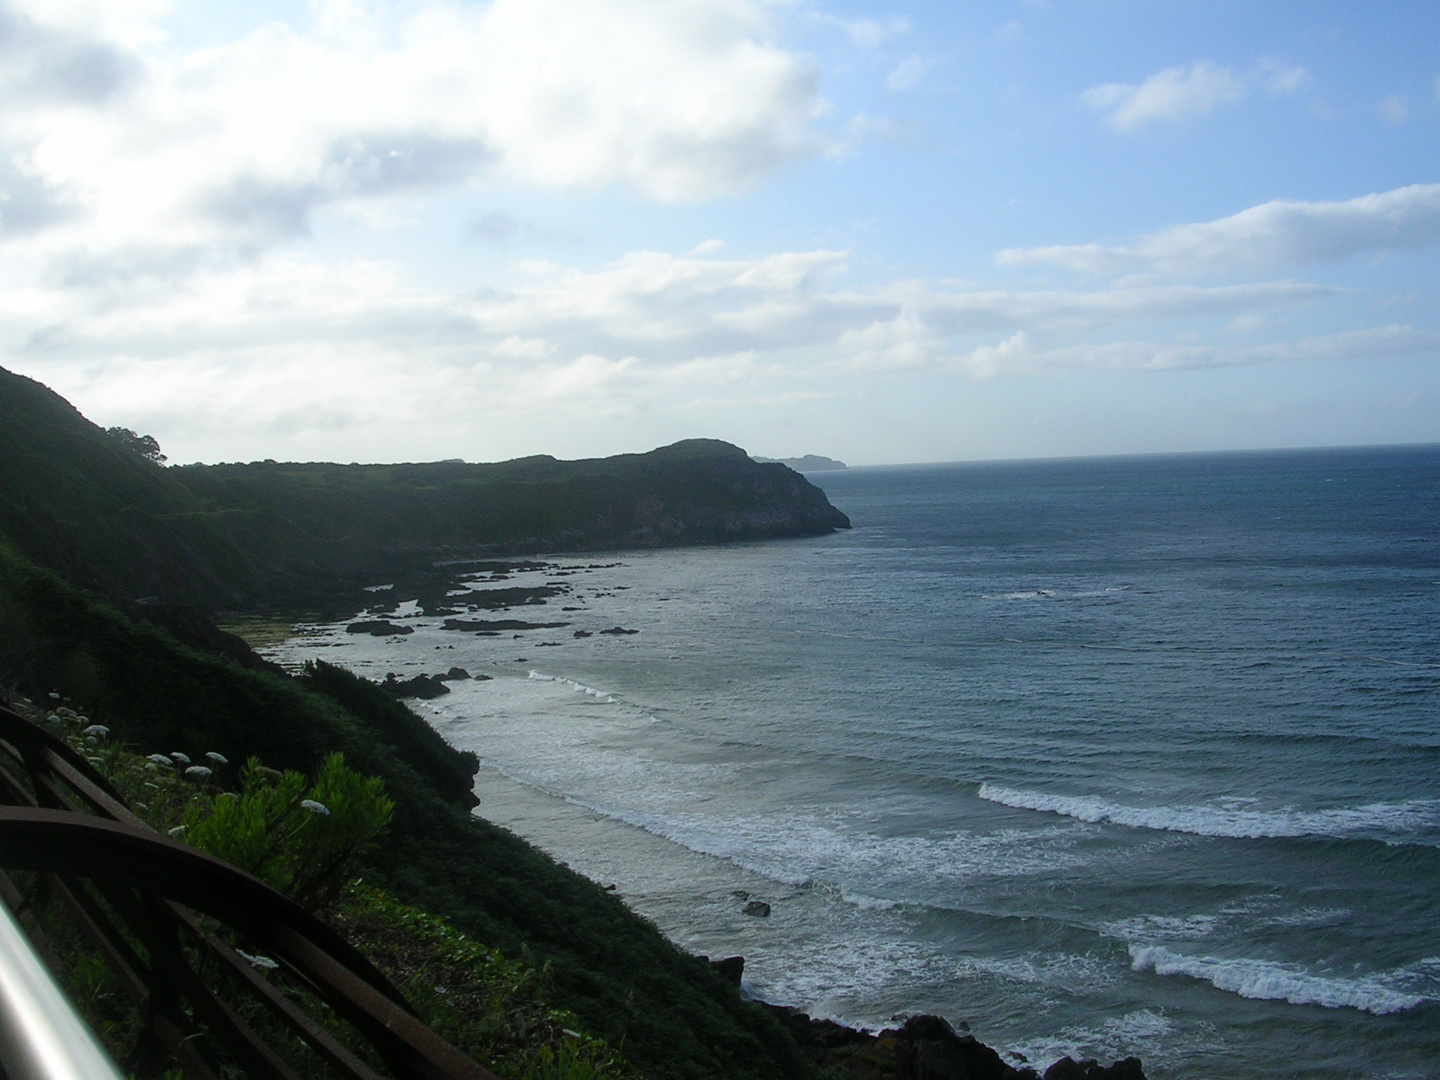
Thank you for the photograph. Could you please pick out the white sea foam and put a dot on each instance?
(1268, 980)
(1161, 928)
(1412, 816)
(1145, 1032)
(866, 903)
(581, 688)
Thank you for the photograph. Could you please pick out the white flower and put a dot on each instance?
(199, 772)
(177, 756)
(259, 961)
(177, 831)
(142, 807)
(96, 729)
(219, 759)
(158, 759)
(314, 807)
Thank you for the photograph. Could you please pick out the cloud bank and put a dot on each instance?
(1281, 234)
(242, 143)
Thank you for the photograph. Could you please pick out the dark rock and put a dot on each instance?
(617, 630)
(1128, 1069)
(378, 627)
(1069, 1069)
(496, 625)
(515, 596)
(421, 686)
(455, 674)
(583, 633)
(929, 1049)
(923, 1048)
(730, 968)
(759, 908)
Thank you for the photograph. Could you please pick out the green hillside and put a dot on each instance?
(89, 527)
(671, 1014)
(284, 534)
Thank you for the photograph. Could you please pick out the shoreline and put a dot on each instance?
(907, 1045)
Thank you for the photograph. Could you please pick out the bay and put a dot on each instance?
(1105, 757)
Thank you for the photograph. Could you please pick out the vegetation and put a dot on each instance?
(492, 1007)
(105, 557)
(93, 505)
(673, 1016)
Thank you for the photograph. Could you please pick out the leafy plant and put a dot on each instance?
(302, 839)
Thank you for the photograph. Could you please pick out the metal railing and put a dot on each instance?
(41, 1035)
(153, 909)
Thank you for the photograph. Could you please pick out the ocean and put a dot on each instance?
(1103, 757)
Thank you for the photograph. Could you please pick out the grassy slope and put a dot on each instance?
(670, 1013)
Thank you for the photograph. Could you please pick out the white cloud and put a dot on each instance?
(1018, 353)
(1173, 94)
(908, 72)
(295, 357)
(1282, 233)
(1182, 93)
(867, 32)
(242, 143)
(1280, 78)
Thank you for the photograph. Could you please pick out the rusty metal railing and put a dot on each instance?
(147, 904)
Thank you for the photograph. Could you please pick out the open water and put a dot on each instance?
(1105, 757)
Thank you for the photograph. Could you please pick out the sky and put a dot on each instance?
(886, 233)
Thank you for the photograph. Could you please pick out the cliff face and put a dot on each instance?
(227, 536)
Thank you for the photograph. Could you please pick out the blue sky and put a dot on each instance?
(887, 233)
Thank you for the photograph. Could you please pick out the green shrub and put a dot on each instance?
(300, 839)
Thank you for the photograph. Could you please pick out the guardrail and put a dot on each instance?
(144, 903)
(41, 1035)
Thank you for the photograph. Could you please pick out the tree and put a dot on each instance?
(144, 445)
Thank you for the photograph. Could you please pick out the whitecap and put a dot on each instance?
(1269, 980)
(1411, 816)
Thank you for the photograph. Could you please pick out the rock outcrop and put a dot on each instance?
(924, 1048)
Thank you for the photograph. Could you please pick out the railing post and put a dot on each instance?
(42, 1037)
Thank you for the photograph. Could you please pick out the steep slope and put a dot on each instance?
(669, 1012)
(228, 536)
(77, 500)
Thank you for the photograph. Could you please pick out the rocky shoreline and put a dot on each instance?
(923, 1047)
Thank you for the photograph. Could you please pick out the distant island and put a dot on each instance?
(808, 463)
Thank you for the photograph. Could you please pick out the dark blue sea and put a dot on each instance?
(1103, 757)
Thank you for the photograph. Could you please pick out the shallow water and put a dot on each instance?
(1104, 757)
